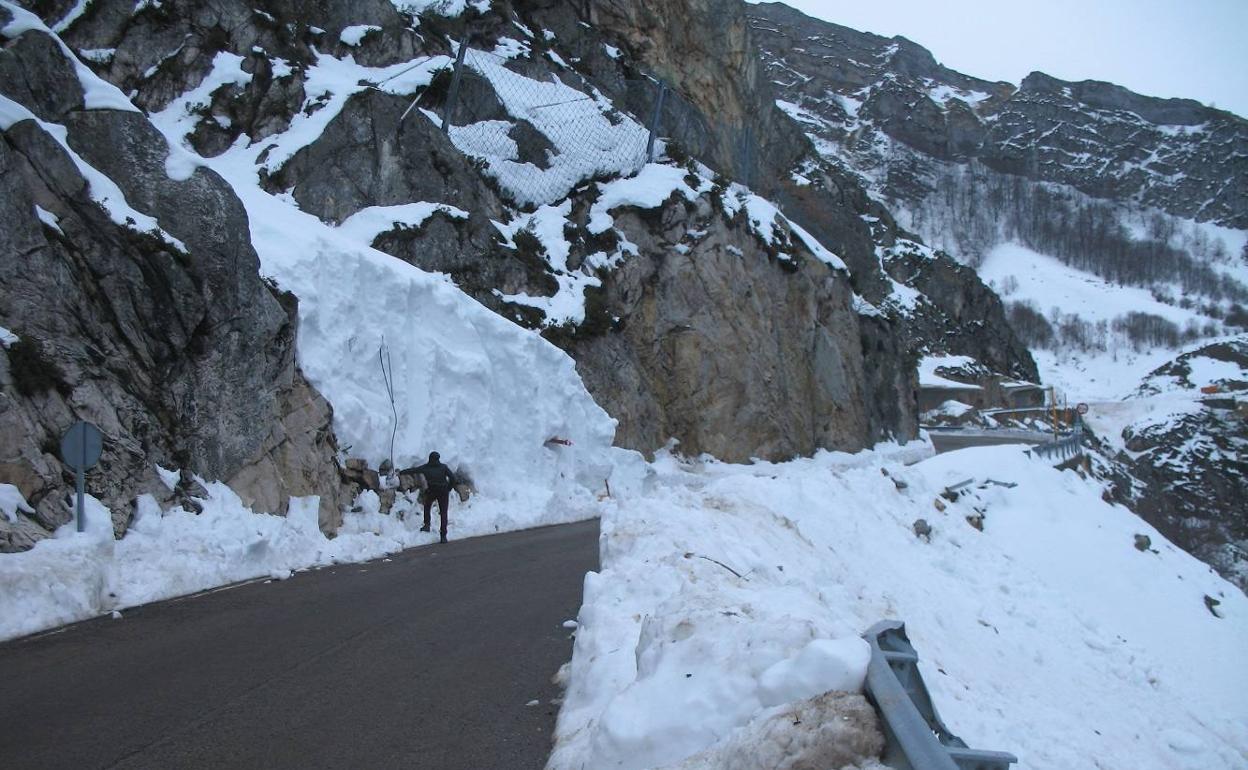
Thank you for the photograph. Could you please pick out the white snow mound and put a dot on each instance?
(727, 589)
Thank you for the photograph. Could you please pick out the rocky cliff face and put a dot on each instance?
(721, 109)
(705, 337)
(726, 115)
(793, 371)
(137, 305)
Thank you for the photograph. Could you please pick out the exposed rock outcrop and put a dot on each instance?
(1191, 469)
(721, 109)
(961, 315)
(792, 371)
(170, 342)
(707, 339)
(724, 113)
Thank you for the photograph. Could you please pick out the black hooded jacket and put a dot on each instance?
(437, 476)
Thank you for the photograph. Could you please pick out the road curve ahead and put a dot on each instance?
(423, 661)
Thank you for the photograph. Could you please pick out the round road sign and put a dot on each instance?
(1081, 408)
(81, 446)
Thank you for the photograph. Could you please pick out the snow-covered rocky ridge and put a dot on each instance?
(1180, 442)
(252, 126)
(486, 393)
(1101, 139)
(1136, 190)
(520, 204)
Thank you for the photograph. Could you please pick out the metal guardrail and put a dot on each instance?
(1019, 433)
(916, 737)
(1065, 448)
(1020, 409)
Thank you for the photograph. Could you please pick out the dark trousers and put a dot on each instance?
(443, 498)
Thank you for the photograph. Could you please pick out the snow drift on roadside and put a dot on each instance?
(1047, 634)
(75, 576)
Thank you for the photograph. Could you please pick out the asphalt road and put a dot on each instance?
(423, 661)
(949, 441)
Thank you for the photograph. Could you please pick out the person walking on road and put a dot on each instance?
(439, 481)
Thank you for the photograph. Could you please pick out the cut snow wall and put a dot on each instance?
(469, 384)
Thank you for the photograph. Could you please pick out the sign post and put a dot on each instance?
(80, 449)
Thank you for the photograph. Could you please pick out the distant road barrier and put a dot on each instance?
(916, 737)
(1068, 447)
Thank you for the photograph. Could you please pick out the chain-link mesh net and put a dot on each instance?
(537, 136)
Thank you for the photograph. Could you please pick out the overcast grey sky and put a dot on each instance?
(1196, 49)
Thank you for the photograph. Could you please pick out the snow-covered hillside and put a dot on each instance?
(1087, 207)
(1106, 221)
(498, 401)
(1093, 353)
(726, 591)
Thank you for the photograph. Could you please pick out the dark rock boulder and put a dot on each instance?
(367, 157)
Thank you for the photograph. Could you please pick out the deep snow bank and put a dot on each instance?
(1047, 634)
(468, 383)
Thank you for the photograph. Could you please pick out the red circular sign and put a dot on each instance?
(1082, 408)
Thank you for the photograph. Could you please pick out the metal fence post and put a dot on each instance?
(655, 118)
(453, 95)
(80, 487)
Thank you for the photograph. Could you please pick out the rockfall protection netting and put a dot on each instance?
(536, 136)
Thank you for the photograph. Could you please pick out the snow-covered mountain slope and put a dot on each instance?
(515, 202)
(1092, 338)
(465, 380)
(727, 592)
(1180, 440)
(273, 120)
(1101, 139)
(484, 392)
(1144, 193)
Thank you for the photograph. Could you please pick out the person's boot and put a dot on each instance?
(425, 528)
